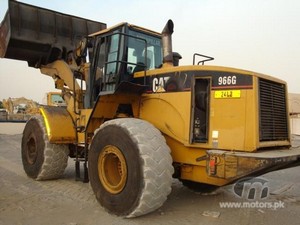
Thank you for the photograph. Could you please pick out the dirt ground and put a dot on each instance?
(24, 201)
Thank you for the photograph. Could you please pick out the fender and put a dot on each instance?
(59, 125)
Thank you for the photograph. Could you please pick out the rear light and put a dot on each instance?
(212, 167)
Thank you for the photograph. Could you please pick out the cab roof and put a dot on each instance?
(142, 29)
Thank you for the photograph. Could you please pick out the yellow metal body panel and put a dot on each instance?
(233, 117)
(169, 112)
(108, 105)
(236, 125)
(59, 125)
(233, 124)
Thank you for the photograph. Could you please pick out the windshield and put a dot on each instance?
(137, 51)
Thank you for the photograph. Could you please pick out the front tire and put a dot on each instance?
(130, 167)
(42, 160)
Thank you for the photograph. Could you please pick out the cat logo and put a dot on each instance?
(158, 84)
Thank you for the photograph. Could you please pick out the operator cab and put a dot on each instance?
(118, 53)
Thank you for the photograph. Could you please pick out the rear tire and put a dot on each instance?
(42, 160)
(130, 167)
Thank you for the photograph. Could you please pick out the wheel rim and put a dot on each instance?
(31, 153)
(112, 169)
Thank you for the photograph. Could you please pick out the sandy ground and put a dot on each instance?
(67, 202)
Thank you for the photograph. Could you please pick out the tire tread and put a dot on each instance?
(55, 156)
(156, 160)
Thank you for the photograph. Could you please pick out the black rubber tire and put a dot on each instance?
(42, 160)
(199, 187)
(148, 161)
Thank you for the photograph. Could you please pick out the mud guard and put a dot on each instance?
(59, 125)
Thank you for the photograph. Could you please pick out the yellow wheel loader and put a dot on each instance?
(135, 119)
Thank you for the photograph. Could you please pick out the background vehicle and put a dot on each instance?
(135, 118)
(54, 99)
(18, 109)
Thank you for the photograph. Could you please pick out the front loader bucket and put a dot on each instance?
(41, 36)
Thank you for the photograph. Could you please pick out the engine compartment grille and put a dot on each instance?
(273, 121)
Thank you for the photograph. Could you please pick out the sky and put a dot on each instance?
(257, 35)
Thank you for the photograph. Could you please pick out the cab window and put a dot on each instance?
(138, 52)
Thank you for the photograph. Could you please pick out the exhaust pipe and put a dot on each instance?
(167, 44)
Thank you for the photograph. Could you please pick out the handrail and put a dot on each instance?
(209, 58)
